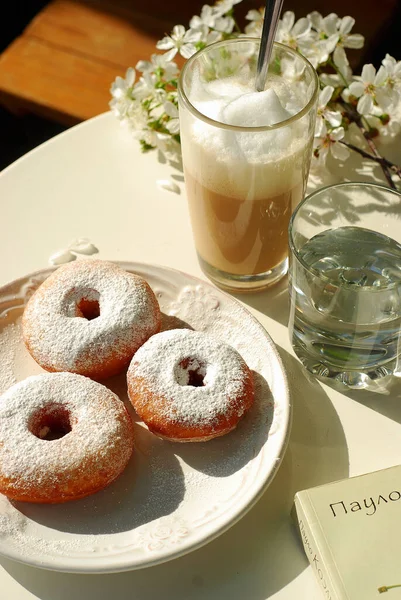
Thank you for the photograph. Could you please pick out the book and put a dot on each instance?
(351, 533)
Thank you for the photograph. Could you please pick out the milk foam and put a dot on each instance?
(255, 164)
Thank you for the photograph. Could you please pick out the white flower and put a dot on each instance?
(341, 61)
(121, 91)
(207, 17)
(158, 61)
(392, 83)
(224, 6)
(122, 86)
(146, 87)
(393, 69)
(179, 41)
(334, 33)
(255, 26)
(289, 33)
(332, 25)
(212, 17)
(173, 125)
(346, 38)
(315, 49)
(369, 88)
(329, 144)
(324, 114)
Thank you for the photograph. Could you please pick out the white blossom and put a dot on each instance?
(173, 125)
(291, 33)
(329, 144)
(255, 26)
(393, 69)
(148, 103)
(222, 7)
(335, 35)
(121, 91)
(369, 88)
(158, 61)
(179, 41)
(324, 114)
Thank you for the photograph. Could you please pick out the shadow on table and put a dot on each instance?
(228, 454)
(258, 556)
(124, 505)
(273, 302)
(386, 399)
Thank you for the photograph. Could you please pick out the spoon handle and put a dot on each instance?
(272, 15)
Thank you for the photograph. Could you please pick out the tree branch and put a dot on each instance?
(356, 118)
(380, 160)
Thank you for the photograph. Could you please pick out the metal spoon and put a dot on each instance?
(272, 14)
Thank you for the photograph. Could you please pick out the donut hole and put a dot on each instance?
(83, 303)
(88, 309)
(51, 422)
(190, 371)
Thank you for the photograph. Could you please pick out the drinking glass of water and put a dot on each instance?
(345, 283)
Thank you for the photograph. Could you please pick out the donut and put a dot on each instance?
(96, 443)
(89, 317)
(189, 387)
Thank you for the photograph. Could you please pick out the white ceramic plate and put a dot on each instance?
(172, 498)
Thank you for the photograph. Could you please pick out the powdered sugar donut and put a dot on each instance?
(95, 447)
(89, 317)
(188, 386)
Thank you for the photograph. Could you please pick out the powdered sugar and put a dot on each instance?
(204, 486)
(59, 339)
(162, 368)
(97, 441)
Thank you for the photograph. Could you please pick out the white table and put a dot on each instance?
(92, 181)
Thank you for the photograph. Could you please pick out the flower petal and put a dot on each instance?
(357, 88)
(333, 117)
(331, 42)
(171, 53)
(368, 73)
(320, 128)
(143, 65)
(301, 27)
(339, 151)
(165, 44)
(384, 99)
(316, 20)
(325, 95)
(355, 40)
(130, 76)
(381, 76)
(170, 109)
(346, 25)
(173, 126)
(365, 105)
(288, 20)
(187, 50)
(337, 134)
(178, 32)
(341, 60)
(330, 24)
(254, 15)
(192, 36)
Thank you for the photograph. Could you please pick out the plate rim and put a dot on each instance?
(285, 432)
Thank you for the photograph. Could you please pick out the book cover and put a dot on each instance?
(351, 532)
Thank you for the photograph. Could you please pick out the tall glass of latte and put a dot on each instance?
(246, 157)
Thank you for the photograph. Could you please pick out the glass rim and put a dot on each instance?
(238, 128)
(345, 184)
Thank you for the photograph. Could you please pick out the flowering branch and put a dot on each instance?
(146, 99)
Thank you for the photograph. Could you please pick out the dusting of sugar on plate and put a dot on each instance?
(171, 495)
